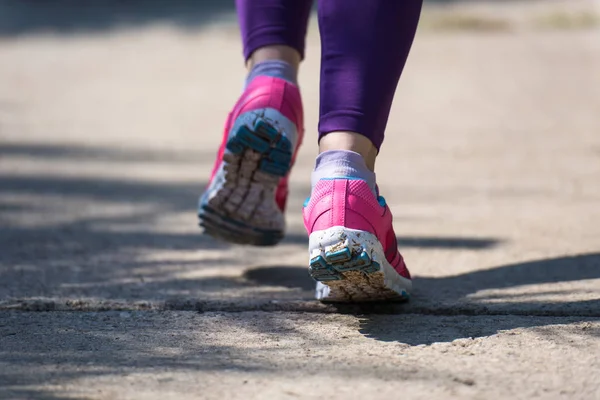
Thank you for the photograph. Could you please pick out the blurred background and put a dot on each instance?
(111, 114)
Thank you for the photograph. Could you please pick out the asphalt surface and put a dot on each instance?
(108, 130)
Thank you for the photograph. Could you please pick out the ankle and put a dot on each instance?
(275, 52)
(352, 141)
(274, 61)
(342, 164)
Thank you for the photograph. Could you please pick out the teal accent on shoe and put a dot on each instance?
(320, 270)
(265, 139)
(273, 168)
(261, 128)
(334, 264)
(235, 146)
(280, 156)
(358, 263)
(306, 202)
(338, 256)
(381, 201)
(275, 150)
(248, 138)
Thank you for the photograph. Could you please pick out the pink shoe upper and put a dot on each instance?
(268, 92)
(350, 203)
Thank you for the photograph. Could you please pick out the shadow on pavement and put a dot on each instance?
(86, 235)
(453, 290)
(55, 355)
(99, 241)
(421, 242)
(49, 349)
(21, 17)
(79, 153)
(95, 249)
(449, 328)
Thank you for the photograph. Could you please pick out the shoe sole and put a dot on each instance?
(350, 266)
(240, 207)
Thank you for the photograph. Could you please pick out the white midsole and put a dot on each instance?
(232, 191)
(321, 241)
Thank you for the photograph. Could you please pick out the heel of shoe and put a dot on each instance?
(239, 206)
(262, 134)
(352, 264)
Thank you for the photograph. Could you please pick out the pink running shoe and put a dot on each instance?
(353, 250)
(246, 197)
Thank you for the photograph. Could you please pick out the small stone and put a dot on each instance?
(466, 381)
(462, 342)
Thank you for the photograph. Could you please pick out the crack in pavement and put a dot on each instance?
(202, 306)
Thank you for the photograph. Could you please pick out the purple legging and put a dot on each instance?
(364, 47)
